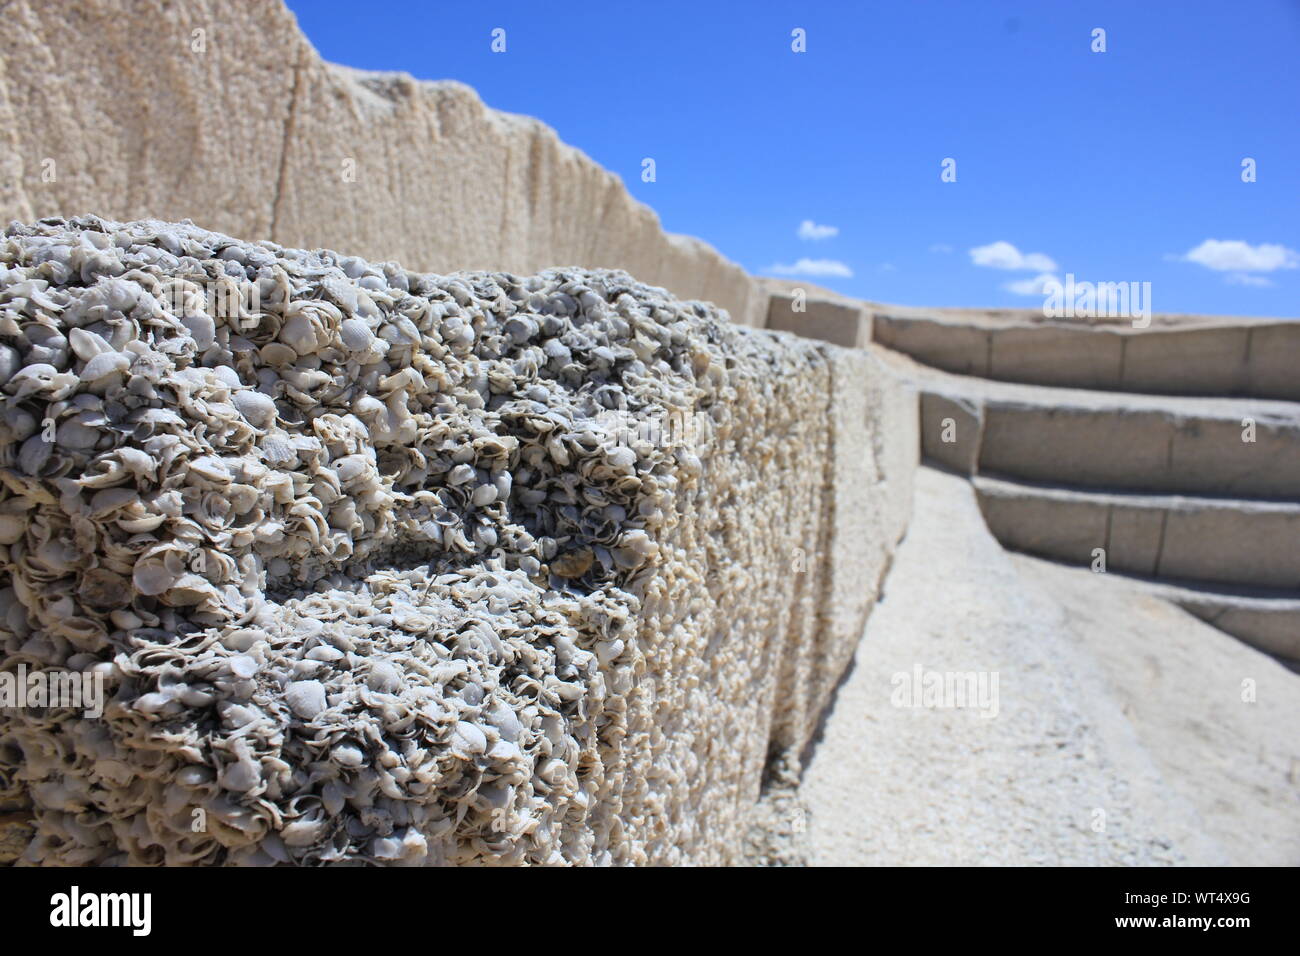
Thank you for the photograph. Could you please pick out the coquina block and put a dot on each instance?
(393, 568)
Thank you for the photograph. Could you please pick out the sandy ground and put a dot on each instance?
(1118, 733)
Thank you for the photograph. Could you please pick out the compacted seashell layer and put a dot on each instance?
(392, 568)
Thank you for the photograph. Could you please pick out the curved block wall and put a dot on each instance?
(1174, 451)
(1176, 355)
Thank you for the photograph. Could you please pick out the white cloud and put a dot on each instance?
(941, 247)
(1003, 255)
(1234, 255)
(814, 267)
(1241, 278)
(1032, 286)
(809, 230)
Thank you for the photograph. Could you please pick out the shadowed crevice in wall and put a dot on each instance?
(285, 145)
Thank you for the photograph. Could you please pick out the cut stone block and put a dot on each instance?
(951, 427)
(830, 321)
(1176, 355)
(953, 347)
(1053, 355)
(1197, 361)
(1274, 362)
(1214, 540)
(613, 622)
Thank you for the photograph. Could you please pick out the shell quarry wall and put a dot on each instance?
(124, 110)
(378, 566)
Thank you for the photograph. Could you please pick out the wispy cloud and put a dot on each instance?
(814, 267)
(811, 231)
(1236, 255)
(1034, 286)
(1003, 255)
(1242, 278)
(941, 247)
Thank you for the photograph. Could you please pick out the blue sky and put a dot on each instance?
(1117, 166)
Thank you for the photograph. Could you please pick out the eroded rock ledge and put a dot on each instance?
(399, 568)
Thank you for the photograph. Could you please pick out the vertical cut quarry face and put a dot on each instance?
(384, 567)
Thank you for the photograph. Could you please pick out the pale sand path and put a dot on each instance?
(1109, 699)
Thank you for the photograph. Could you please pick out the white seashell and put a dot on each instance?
(306, 698)
(10, 362)
(506, 723)
(126, 620)
(34, 454)
(468, 739)
(384, 677)
(153, 578)
(211, 468)
(228, 375)
(608, 651)
(41, 379)
(505, 751)
(135, 461)
(356, 335)
(278, 354)
(87, 344)
(302, 833)
(243, 665)
(386, 848)
(12, 528)
(348, 755)
(201, 328)
(298, 334)
(152, 703)
(111, 499)
(105, 364)
(351, 467)
(243, 773)
(258, 409)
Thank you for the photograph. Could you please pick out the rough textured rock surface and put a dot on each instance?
(245, 129)
(401, 568)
